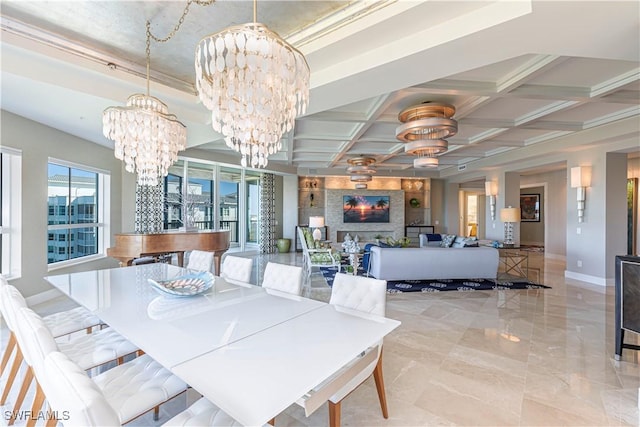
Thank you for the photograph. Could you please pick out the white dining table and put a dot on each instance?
(250, 351)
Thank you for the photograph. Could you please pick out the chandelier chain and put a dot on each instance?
(173, 32)
(180, 21)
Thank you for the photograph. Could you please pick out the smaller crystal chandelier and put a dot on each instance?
(424, 130)
(147, 138)
(361, 169)
(255, 85)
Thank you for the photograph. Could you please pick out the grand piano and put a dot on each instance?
(130, 246)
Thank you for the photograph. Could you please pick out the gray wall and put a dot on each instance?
(554, 211)
(38, 143)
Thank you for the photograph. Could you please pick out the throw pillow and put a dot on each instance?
(447, 240)
(458, 242)
(308, 237)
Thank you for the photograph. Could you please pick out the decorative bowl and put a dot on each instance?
(415, 203)
(184, 286)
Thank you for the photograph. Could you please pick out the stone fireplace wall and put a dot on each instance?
(366, 232)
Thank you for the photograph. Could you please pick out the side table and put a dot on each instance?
(515, 263)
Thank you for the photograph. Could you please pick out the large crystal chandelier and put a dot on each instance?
(255, 85)
(424, 130)
(147, 138)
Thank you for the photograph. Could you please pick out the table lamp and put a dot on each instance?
(316, 222)
(509, 216)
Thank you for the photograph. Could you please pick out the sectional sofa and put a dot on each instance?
(433, 262)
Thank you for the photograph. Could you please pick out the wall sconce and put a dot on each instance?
(581, 179)
(509, 216)
(316, 222)
(491, 190)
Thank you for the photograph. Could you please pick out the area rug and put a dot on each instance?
(441, 285)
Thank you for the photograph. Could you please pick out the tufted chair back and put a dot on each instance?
(359, 293)
(282, 277)
(70, 392)
(237, 269)
(200, 260)
(34, 337)
(11, 300)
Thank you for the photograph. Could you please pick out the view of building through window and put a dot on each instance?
(72, 213)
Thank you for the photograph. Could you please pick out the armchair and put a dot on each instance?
(316, 257)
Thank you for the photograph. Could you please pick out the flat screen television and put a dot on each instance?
(365, 209)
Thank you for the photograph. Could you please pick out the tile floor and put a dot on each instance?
(485, 358)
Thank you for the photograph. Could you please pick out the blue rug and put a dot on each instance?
(440, 285)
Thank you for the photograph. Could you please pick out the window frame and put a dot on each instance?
(102, 224)
(11, 219)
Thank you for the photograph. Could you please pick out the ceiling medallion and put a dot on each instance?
(424, 130)
(255, 85)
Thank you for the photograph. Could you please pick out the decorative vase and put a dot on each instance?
(283, 245)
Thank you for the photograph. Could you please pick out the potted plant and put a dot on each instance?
(377, 237)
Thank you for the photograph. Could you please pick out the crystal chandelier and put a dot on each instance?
(255, 85)
(424, 130)
(147, 138)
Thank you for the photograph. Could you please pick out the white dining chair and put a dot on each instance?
(283, 278)
(200, 260)
(132, 388)
(69, 321)
(236, 269)
(88, 351)
(68, 389)
(356, 294)
(103, 344)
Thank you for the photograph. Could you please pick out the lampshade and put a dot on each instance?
(510, 214)
(581, 176)
(316, 221)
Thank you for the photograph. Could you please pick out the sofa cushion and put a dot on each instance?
(465, 242)
(324, 257)
(447, 240)
(430, 240)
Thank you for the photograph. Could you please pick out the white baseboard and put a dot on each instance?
(600, 281)
(43, 297)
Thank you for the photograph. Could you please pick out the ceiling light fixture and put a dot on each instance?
(424, 130)
(147, 138)
(361, 186)
(361, 178)
(361, 168)
(426, 162)
(255, 85)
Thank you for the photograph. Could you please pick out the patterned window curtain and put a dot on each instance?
(267, 213)
(149, 208)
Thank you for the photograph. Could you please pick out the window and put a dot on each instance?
(76, 212)
(211, 196)
(11, 208)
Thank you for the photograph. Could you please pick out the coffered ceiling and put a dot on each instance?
(521, 74)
